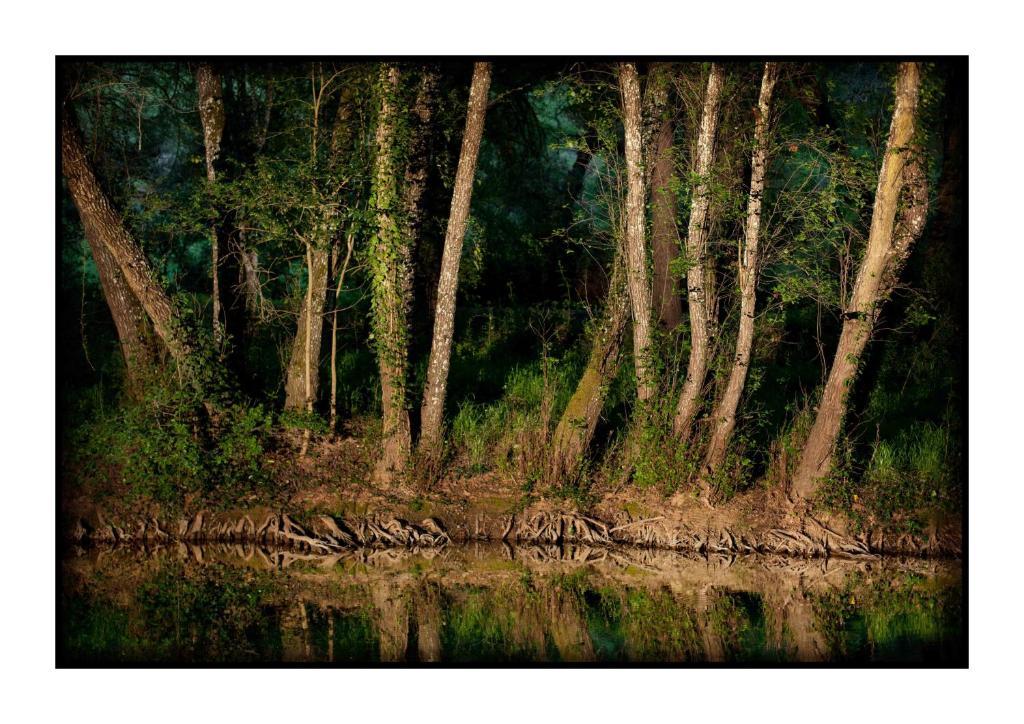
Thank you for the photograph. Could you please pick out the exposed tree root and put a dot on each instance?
(803, 537)
(326, 535)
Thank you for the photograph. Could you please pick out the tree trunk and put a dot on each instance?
(211, 114)
(133, 329)
(664, 235)
(724, 416)
(105, 225)
(302, 383)
(417, 169)
(887, 249)
(697, 284)
(334, 330)
(432, 413)
(303, 378)
(236, 295)
(637, 280)
(391, 281)
(579, 419)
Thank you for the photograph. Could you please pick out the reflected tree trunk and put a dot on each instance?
(567, 627)
(902, 177)
(698, 284)
(392, 612)
(714, 646)
(428, 624)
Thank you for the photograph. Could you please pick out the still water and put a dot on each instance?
(495, 604)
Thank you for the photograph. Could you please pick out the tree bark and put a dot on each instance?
(888, 246)
(664, 234)
(391, 280)
(211, 115)
(303, 377)
(105, 225)
(134, 333)
(724, 415)
(637, 280)
(236, 295)
(432, 413)
(417, 168)
(697, 284)
(576, 427)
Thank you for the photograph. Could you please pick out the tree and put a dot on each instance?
(432, 412)
(235, 295)
(698, 284)
(724, 415)
(664, 235)
(901, 178)
(579, 420)
(302, 381)
(134, 332)
(637, 280)
(391, 280)
(106, 225)
(211, 114)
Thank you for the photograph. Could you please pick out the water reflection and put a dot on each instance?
(501, 604)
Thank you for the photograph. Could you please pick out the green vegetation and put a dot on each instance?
(178, 615)
(903, 620)
(296, 173)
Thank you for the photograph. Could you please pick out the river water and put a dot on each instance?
(479, 604)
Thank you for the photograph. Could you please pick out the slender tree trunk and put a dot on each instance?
(432, 413)
(724, 415)
(334, 330)
(888, 246)
(106, 225)
(697, 281)
(391, 279)
(637, 280)
(302, 383)
(664, 234)
(211, 114)
(236, 292)
(576, 427)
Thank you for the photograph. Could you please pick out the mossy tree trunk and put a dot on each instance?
(698, 283)
(391, 279)
(579, 420)
(432, 411)
(105, 225)
(637, 278)
(664, 234)
(724, 415)
(902, 177)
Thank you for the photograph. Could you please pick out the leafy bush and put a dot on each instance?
(165, 445)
